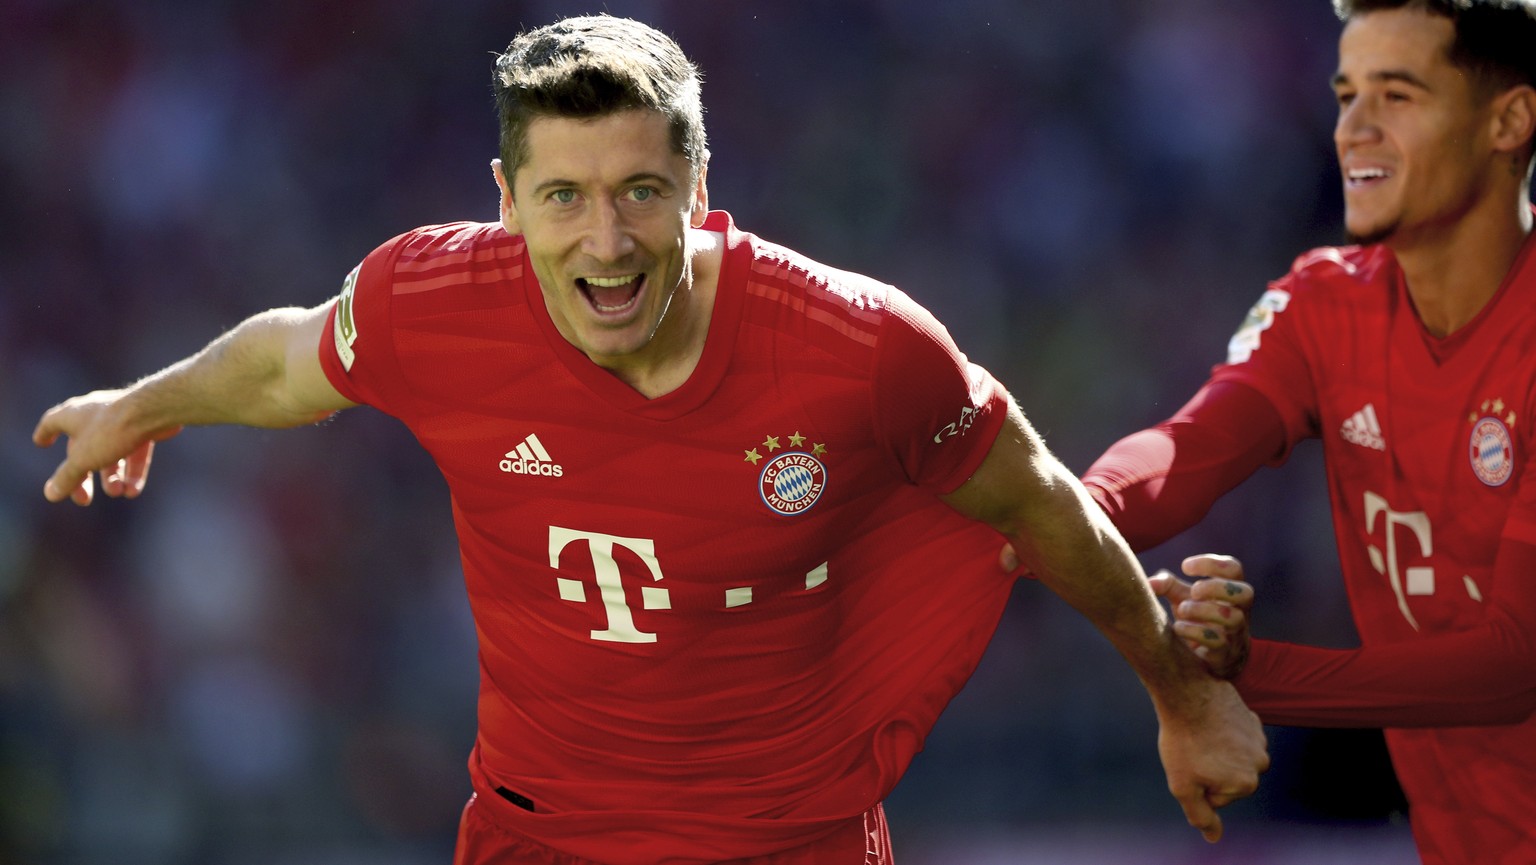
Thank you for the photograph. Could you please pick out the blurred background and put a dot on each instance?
(268, 660)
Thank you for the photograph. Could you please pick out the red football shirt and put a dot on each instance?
(715, 623)
(1427, 444)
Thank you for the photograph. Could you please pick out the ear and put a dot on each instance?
(508, 208)
(1514, 118)
(700, 205)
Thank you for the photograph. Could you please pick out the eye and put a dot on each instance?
(1344, 97)
(1397, 96)
(642, 193)
(563, 196)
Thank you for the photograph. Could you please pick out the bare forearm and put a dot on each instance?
(1072, 548)
(1212, 746)
(247, 376)
(1062, 536)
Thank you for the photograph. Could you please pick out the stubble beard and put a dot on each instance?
(1370, 237)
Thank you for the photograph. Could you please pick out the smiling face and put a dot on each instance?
(605, 205)
(1412, 134)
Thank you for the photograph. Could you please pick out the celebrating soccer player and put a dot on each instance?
(1412, 355)
(727, 516)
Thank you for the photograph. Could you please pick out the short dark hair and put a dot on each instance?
(592, 66)
(1495, 40)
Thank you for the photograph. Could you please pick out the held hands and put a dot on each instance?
(1212, 747)
(1210, 614)
(1211, 617)
(99, 440)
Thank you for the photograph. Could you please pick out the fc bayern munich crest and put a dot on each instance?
(1493, 451)
(792, 482)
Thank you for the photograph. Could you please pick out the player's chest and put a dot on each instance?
(794, 461)
(1457, 429)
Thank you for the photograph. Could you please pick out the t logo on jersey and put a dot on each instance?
(610, 585)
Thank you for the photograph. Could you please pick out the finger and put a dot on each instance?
(112, 479)
(1200, 635)
(68, 482)
(1166, 585)
(1008, 559)
(136, 469)
(1221, 614)
(84, 491)
(1202, 816)
(1213, 565)
(1224, 591)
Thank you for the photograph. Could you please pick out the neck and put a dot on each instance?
(1453, 273)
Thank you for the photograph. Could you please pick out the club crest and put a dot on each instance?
(1492, 451)
(793, 480)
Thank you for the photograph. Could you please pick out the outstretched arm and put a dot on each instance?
(1160, 481)
(1212, 746)
(264, 373)
(1481, 676)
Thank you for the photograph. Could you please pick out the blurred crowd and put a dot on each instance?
(268, 659)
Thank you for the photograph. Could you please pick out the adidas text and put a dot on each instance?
(532, 467)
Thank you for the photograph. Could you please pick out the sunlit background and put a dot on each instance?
(268, 660)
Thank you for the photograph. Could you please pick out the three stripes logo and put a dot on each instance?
(1363, 429)
(530, 458)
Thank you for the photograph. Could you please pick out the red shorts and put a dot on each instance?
(864, 840)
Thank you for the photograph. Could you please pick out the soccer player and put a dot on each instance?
(726, 515)
(1412, 355)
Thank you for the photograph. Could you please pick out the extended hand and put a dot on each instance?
(1211, 614)
(98, 441)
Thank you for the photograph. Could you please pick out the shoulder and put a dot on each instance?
(1336, 269)
(419, 263)
(836, 310)
(456, 247)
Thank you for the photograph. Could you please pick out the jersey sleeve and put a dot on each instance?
(357, 347)
(1483, 675)
(1267, 354)
(1161, 481)
(937, 412)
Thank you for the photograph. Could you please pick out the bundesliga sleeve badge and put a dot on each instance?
(345, 329)
(1492, 447)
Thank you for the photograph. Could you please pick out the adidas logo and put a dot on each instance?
(1363, 429)
(530, 458)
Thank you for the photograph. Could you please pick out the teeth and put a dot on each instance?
(612, 281)
(1367, 173)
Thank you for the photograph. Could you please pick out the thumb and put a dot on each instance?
(1165, 585)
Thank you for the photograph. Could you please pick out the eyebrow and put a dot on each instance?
(639, 177)
(1384, 76)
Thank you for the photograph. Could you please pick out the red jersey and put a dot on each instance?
(714, 624)
(1427, 444)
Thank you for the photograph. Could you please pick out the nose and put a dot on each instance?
(1356, 124)
(608, 237)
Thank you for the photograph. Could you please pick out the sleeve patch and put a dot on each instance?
(345, 330)
(1246, 341)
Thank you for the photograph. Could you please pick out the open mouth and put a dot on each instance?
(612, 295)
(1357, 178)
